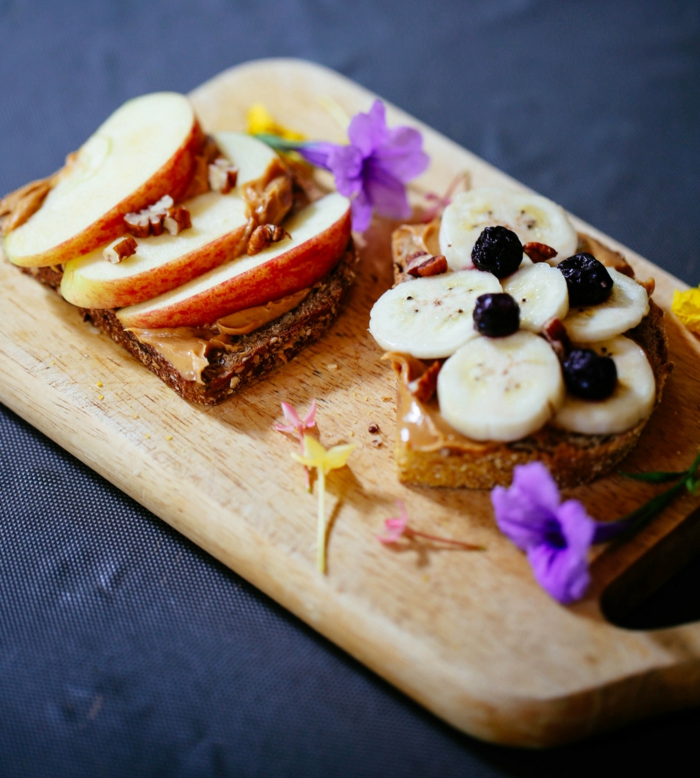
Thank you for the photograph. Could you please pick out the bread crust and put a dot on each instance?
(572, 458)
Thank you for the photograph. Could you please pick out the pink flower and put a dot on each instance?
(299, 426)
(397, 527)
(295, 423)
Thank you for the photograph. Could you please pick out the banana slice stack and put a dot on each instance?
(505, 388)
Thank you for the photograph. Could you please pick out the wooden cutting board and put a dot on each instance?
(467, 634)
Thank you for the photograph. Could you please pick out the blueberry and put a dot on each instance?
(498, 250)
(587, 280)
(496, 315)
(588, 375)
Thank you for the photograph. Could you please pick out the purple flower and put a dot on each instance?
(375, 167)
(555, 536)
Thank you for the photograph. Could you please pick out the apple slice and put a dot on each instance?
(220, 228)
(319, 233)
(146, 149)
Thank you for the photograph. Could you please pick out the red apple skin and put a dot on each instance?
(149, 284)
(290, 272)
(172, 178)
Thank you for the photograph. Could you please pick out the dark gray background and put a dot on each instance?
(124, 650)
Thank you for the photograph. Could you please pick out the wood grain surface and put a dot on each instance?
(467, 634)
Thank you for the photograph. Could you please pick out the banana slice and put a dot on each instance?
(501, 388)
(625, 308)
(632, 400)
(540, 291)
(530, 216)
(430, 317)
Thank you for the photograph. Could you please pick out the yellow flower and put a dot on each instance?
(260, 122)
(316, 456)
(686, 306)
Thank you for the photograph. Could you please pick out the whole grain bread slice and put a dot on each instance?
(444, 457)
(246, 358)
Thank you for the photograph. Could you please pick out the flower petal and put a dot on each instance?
(368, 130)
(291, 415)
(317, 153)
(535, 483)
(314, 451)
(562, 573)
(337, 456)
(310, 418)
(402, 154)
(361, 212)
(386, 193)
(345, 162)
(523, 521)
(562, 568)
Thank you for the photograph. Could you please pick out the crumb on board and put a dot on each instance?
(332, 367)
(99, 384)
(168, 437)
(101, 397)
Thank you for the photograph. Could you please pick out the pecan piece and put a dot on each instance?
(539, 252)
(138, 224)
(432, 266)
(423, 387)
(162, 214)
(263, 236)
(120, 250)
(222, 176)
(177, 219)
(558, 338)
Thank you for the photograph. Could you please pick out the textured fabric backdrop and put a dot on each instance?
(124, 650)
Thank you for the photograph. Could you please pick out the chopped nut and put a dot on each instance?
(177, 220)
(263, 236)
(423, 387)
(332, 367)
(151, 220)
(123, 248)
(432, 266)
(649, 285)
(558, 338)
(539, 252)
(376, 442)
(138, 224)
(373, 428)
(222, 175)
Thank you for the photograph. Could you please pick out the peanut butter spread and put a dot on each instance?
(269, 198)
(421, 427)
(187, 348)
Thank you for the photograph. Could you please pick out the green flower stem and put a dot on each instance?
(277, 143)
(631, 523)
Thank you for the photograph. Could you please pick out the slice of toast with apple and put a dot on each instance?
(196, 253)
